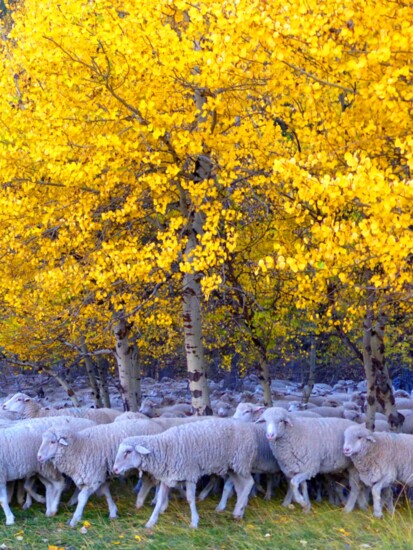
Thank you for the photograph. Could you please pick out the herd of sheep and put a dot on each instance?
(312, 451)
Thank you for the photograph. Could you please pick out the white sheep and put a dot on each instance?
(381, 459)
(151, 409)
(129, 415)
(18, 460)
(27, 407)
(190, 451)
(88, 456)
(305, 447)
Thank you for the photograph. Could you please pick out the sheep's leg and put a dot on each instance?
(191, 498)
(82, 499)
(105, 491)
(20, 492)
(288, 497)
(227, 492)
(270, 484)
(376, 492)
(355, 494)
(10, 490)
(162, 496)
(54, 492)
(73, 499)
(4, 503)
(208, 488)
(31, 493)
(388, 499)
(302, 499)
(147, 484)
(243, 486)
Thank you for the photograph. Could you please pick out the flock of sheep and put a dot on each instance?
(321, 449)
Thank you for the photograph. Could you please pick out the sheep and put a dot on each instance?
(129, 415)
(190, 451)
(18, 460)
(150, 409)
(381, 459)
(27, 407)
(88, 456)
(247, 412)
(305, 447)
(329, 412)
(224, 409)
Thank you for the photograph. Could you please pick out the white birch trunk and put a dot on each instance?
(193, 338)
(126, 360)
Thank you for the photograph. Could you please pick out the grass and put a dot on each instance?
(266, 526)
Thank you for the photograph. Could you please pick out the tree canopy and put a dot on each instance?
(276, 135)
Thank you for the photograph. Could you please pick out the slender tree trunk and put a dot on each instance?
(126, 358)
(369, 370)
(308, 388)
(198, 384)
(101, 366)
(135, 376)
(265, 380)
(90, 369)
(379, 386)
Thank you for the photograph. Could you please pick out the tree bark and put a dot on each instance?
(308, 388)
(265, 380)
(90, 369)
(101, 366)
(128, 367)
(197, 376)
(379, 386)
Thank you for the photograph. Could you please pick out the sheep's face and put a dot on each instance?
(48, 448)
(125, 459)
(356, 438)
(247, 412)
(17, 403)
(147, 408)
(129, 456)
(224, 410)
(277, 420)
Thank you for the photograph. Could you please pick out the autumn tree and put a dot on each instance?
(133, 138)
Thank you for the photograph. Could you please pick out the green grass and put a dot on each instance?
(267, 525)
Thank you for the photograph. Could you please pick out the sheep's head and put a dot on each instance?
(148, 408)
(129, 456)
(277, 420)
(356, 439)
(17, 403)
(52, 440)
(247, 412)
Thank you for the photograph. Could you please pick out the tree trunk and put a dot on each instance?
(126, 358)
(265, 380)
(308, 388)
(135, 376)
(198, 384)
(90, 369)
(369, 370)
(101, 366)
(379, 386)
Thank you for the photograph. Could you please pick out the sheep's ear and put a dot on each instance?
(371, 438)
(26, 399)
(287, 420)
(142, 450)
(260, 420)
(258, 409)
(63, 441)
